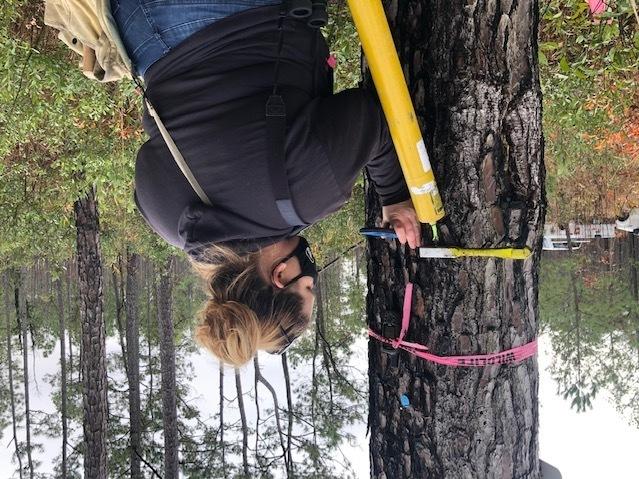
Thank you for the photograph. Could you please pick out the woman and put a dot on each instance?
(210, 67)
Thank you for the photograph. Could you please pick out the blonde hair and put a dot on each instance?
(243, 313)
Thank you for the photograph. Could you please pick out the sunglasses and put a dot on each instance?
(289, 342)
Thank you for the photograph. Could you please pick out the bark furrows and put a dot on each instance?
(472, 72)
(93, 353)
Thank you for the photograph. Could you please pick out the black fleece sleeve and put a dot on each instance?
(352, 127)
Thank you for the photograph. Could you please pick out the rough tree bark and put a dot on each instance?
(167, 373)
(63, 375)
(133, 369)
(93, 349)
(473, 75)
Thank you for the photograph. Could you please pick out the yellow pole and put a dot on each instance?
(377, 43)
(454, 252)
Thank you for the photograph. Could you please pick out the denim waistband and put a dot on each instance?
(152, 28)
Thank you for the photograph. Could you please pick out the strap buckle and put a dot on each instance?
(391, 328)
(275, 106)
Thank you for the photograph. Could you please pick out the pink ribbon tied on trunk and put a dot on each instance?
(511, 356)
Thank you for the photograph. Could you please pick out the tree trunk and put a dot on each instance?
(133, 353)
(7, 310)
(167, 373)
(70, 325)
(151, 295)
(472, 71)
(93, 349)
(23, 318)
(276, 410)
(118, 296)
(63, 376)
(222, 419)
(240, 402)
(289, 403)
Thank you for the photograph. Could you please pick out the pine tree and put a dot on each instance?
(472, 72)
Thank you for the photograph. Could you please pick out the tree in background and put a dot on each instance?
(93, 358)
(473, 75)
(167, 360)
(589, 67)
(133, 354)
(589, 311)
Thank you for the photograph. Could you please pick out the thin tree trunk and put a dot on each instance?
(289, 402)
(319, 328)
(151, 295)
(93, 348)
(577, 310)
(222, 419)
(167, 372)
(634, 286)
(240, 401)
(276, 409)
(63, 376)
(7, 310)
(118, 295)
(23, 316)
(473, 74)
(258, 462)
(133, 353)
(314, 387)
(70, 324)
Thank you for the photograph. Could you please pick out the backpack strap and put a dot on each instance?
(276, 138)
(177, 156)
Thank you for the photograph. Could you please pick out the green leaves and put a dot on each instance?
(60, 134)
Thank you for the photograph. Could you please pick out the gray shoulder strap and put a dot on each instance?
(177, 156)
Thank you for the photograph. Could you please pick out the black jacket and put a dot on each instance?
(211, 93)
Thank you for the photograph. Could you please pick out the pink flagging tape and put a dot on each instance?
(511, 356)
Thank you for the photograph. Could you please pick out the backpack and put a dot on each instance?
(88, 28)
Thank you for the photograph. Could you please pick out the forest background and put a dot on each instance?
(61, 135)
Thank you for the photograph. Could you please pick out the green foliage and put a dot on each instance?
(572, 43)
(588, 71)
(62, 133)
(335, 234)
(343, 41)
(591, 316)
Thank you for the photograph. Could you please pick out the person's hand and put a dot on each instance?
(403, 219)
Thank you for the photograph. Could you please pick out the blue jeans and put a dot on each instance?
(151, 28)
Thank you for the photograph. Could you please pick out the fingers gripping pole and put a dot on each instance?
(377, 43)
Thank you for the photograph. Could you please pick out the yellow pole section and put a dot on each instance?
(453, 252)
(377, 42)
(506, 253)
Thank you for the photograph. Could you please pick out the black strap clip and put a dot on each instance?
(391, 328)
(275, 106)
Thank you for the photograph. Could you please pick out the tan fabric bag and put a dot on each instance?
(88, 28)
